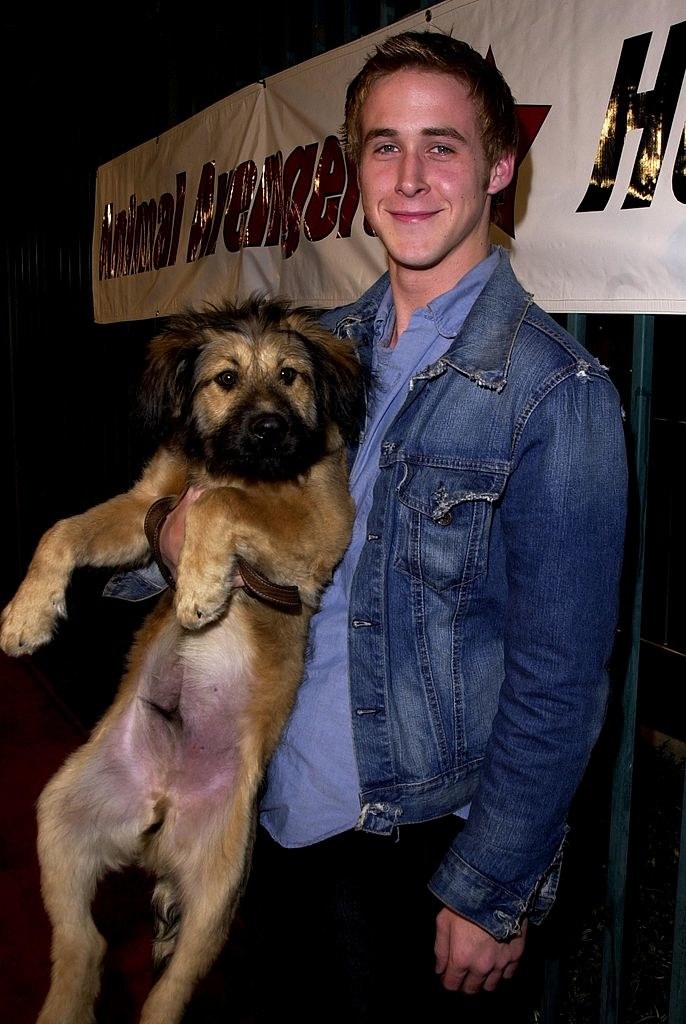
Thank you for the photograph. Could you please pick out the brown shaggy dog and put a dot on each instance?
(255, 403)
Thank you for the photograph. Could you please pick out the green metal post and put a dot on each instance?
(612, 979)
(677, 989)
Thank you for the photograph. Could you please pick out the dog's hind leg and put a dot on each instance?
(86, 827)
(70, 872)
(209, 877)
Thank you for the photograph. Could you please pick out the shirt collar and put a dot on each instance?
(450, 310)
(447, 311)
(384, 321)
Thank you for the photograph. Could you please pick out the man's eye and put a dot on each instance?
(288, 374)
(226, 379)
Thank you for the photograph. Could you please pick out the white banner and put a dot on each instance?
(254, 193)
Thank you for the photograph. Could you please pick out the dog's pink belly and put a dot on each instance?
(172, 751)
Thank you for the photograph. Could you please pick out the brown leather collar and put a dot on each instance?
(280, 595)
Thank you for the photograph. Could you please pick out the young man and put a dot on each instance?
(414, 815)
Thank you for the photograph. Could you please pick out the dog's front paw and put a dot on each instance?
(198, 606)
(27, 624)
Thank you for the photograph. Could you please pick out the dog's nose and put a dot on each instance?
(270, 427)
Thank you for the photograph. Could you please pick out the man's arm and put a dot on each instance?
(563, 519)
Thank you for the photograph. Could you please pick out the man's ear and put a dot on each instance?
(501, 174)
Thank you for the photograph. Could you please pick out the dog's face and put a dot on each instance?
(253, 390)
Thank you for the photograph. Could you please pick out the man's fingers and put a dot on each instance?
(493, 980)
(453, 979)
(470, 982)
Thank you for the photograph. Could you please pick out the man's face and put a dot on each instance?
(424, 177)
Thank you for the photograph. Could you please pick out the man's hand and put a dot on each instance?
(173, 529)
(469, 959)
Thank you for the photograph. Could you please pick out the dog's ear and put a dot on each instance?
(166, 387)
(339, 377)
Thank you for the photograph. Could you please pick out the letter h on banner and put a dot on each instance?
(653, 112)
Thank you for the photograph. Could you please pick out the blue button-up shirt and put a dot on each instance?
(312, 787)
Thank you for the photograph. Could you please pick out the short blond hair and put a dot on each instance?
(437, 51)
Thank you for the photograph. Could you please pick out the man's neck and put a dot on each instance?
(413, 289)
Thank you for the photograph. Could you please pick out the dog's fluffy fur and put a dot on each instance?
(256, 403)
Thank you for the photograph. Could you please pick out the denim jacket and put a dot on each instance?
(485, 601)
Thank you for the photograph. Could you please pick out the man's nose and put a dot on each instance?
(411, 175)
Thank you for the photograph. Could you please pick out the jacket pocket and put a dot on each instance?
(443, 524)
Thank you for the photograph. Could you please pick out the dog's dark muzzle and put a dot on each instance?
(269, 429)
(265, 445)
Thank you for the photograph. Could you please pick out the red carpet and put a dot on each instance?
(35, 737)
(36, 734)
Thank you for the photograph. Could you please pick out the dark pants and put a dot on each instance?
(344, 931)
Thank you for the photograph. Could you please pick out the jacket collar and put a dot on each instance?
(481, 350)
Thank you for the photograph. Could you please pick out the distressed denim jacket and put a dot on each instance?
(485, 601)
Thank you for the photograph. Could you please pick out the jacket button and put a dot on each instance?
(446, 519)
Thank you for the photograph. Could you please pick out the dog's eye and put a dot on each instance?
(226, 379)
(288, 374)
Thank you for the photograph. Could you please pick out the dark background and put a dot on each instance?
(80, 87)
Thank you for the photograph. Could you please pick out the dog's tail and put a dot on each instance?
(166, 910)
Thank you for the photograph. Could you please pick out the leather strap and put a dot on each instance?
(282, 596)
(154, 517)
